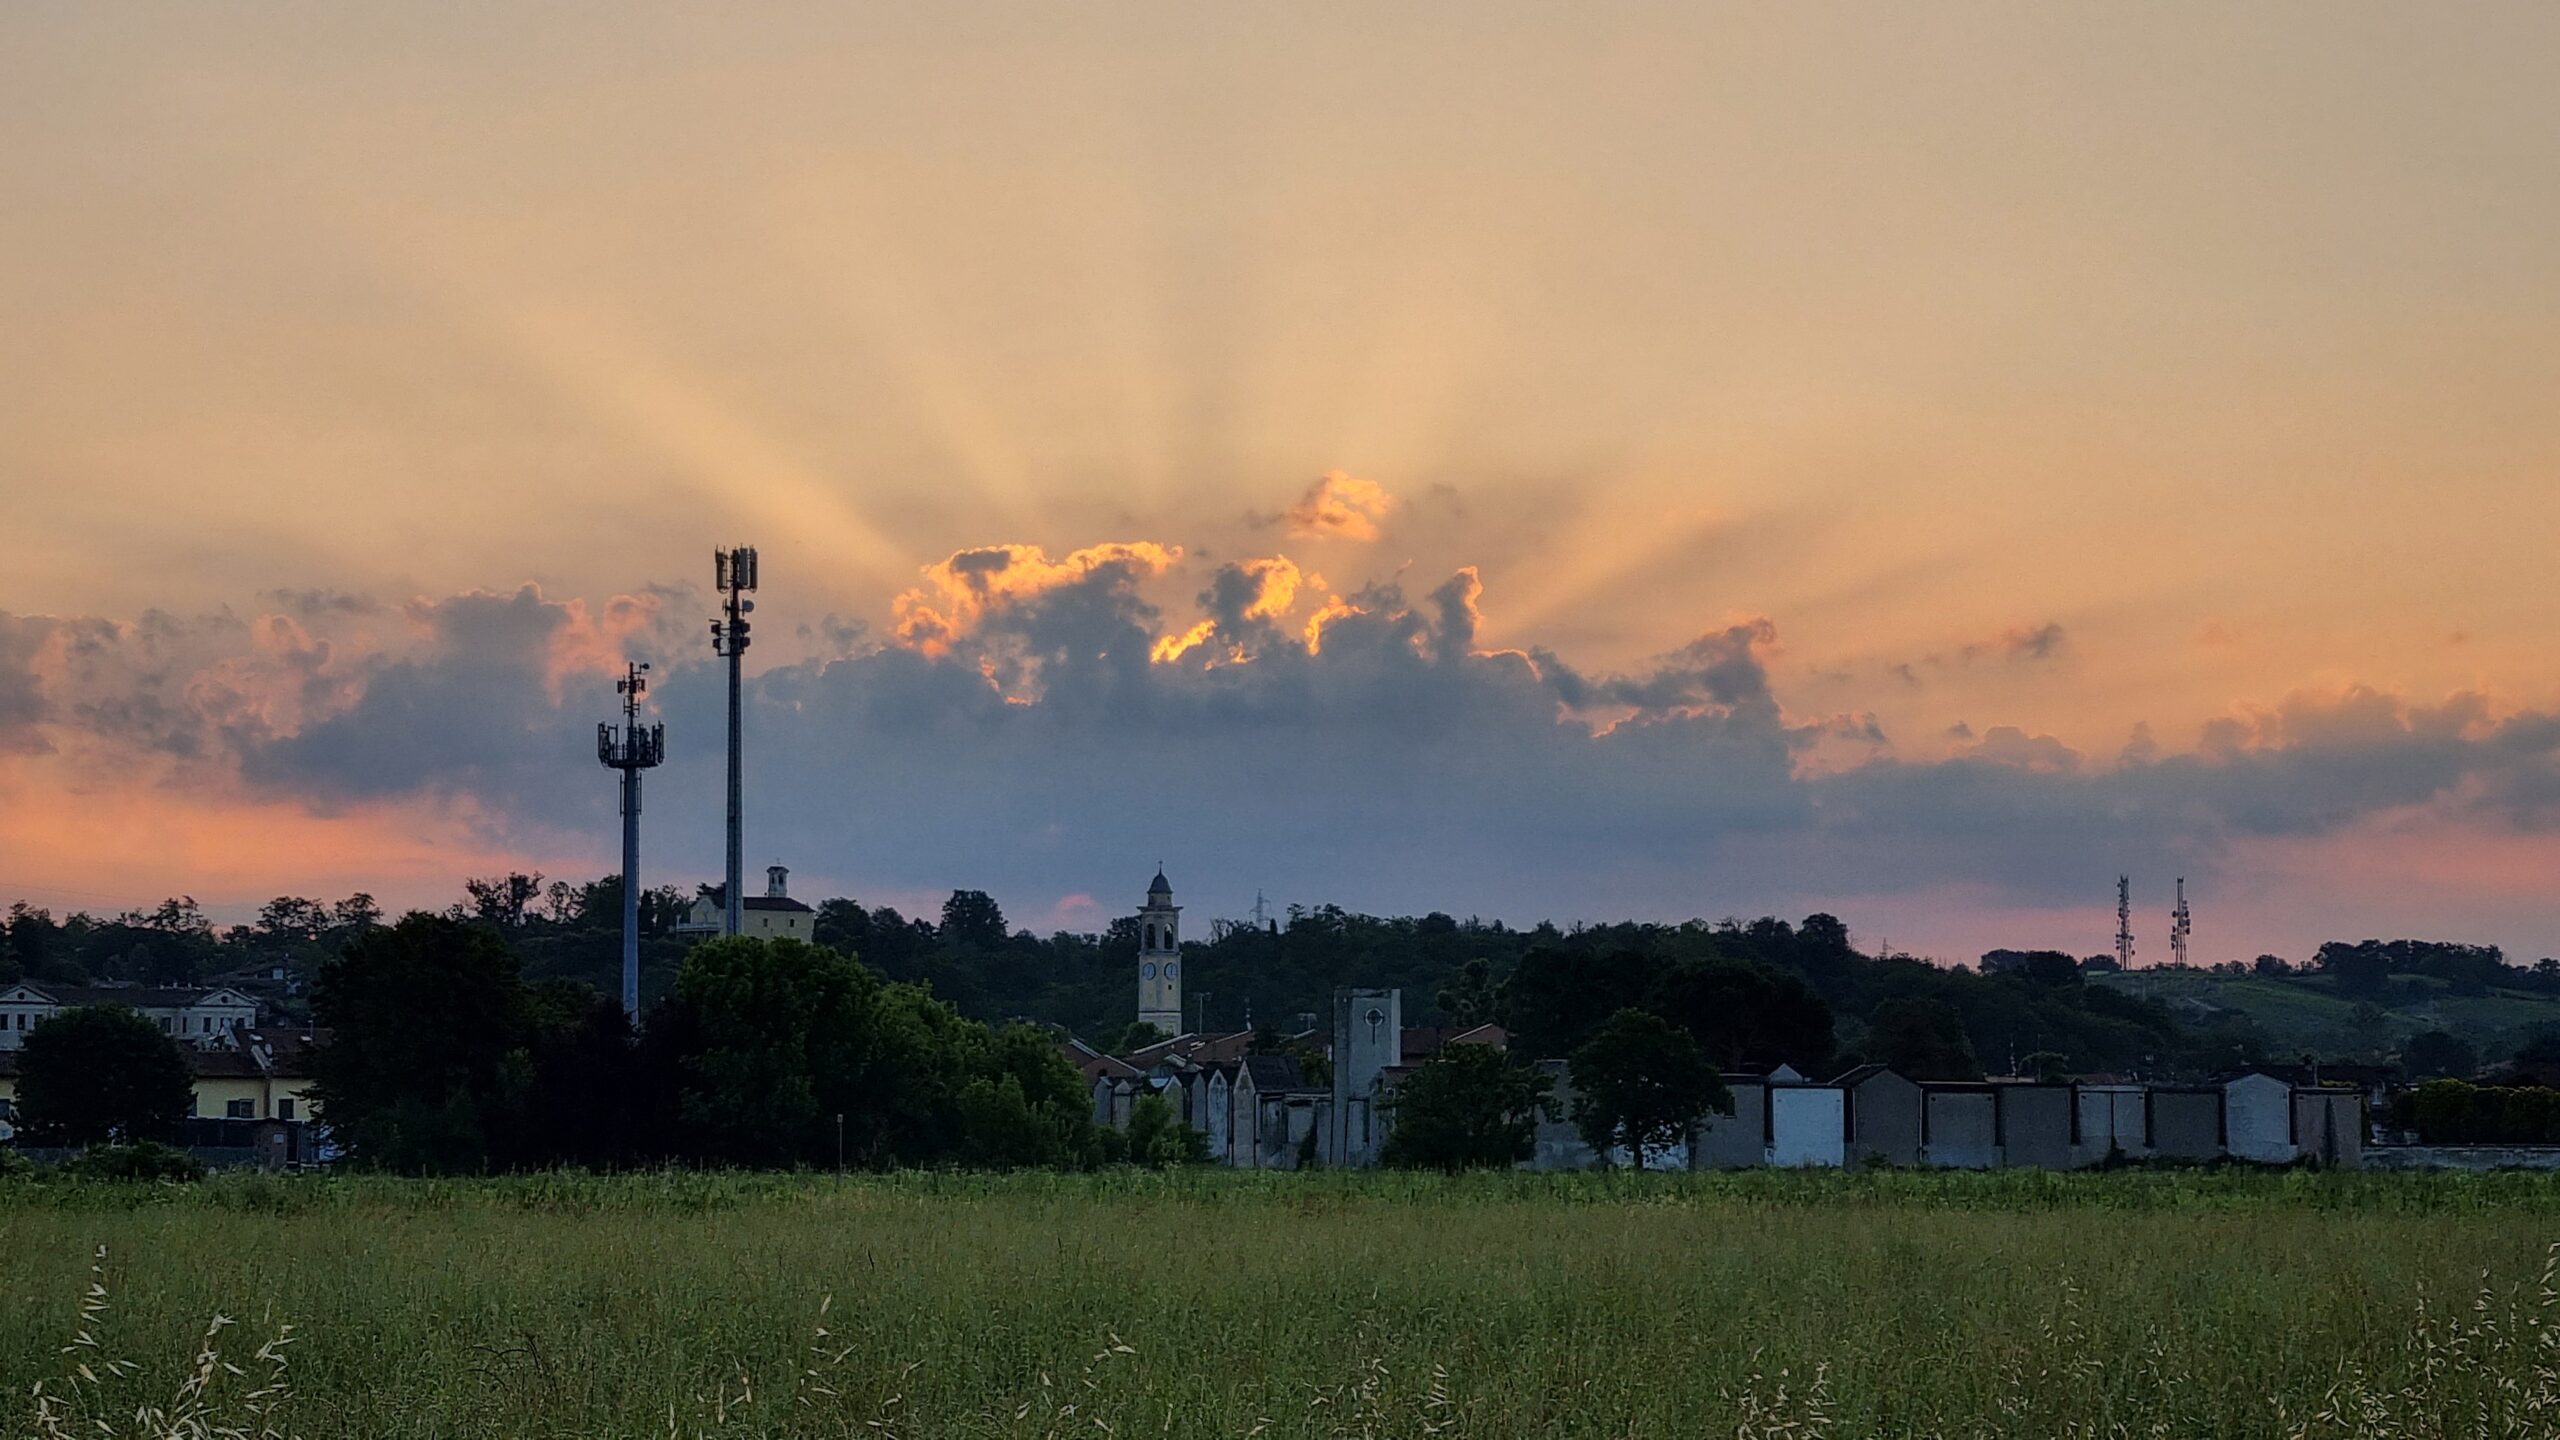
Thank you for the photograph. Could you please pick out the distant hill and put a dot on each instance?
(2305, 1014)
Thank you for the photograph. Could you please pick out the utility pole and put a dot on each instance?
(734, 574)
(631, 749)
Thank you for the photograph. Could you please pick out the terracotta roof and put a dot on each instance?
(1272, 1072)
(1092, 1063)
(1212, 1048)
(1421, 1042)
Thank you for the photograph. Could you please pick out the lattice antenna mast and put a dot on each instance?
(1261, 912)
(631, 749)
(734, 574)
(2124, 922)
(2181, 924)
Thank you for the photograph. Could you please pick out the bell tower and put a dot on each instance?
(1160, 958)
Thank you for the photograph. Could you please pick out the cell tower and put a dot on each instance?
(2181, 925)
(631, 749)
(2124, 922)
(734, 574)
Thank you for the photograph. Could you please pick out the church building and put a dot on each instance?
(1160, 958)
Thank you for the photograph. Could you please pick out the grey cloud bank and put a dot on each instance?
(1038, 750)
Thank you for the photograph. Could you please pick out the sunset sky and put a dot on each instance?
(1916, 462)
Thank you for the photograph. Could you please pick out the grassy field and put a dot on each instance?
(2028, 1305)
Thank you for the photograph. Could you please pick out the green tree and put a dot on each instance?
(1640, 1082)
(784, 1035)
(97, 1074)
(1138, 1036)
(972, 918)
(1921, 1039)
(1739, 1011)
(429, 1030)
(1471, 997)
(843, 925)
(1555, 998)
(1158, 1138)
(2050, 1067)
(1028, 1107)
(2438, 1055)
(1468, 1107)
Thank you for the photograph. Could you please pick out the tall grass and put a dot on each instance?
(1879, 1304)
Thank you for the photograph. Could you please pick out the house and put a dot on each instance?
(2329, 1125)
(1885, 1117)
(194, 1015)
(1808, 1125)
(1276, 1115)
(266, 1077)
(1959, 1125)
(2271, 1119)
(2038, 1124)
(1739, 1140)
(1422, 1042)
(2185, 1122)
(2258, 1118)
(774, 915)
(2114, 1120)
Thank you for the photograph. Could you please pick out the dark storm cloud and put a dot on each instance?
(1025, 741)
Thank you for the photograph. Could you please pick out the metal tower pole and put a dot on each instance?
(2123, 923)
(733, 918)
(632, 749)
(734, 572)
(631, 892)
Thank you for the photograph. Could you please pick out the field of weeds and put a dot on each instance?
(2020, 1304)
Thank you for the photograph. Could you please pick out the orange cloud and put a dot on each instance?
(1340, 506)
(1334, 608)
(598, 644)
(1279, 578)
(959, 590)
(1171, 647)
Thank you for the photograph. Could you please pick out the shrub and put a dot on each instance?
(145, 1161)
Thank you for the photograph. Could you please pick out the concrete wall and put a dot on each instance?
(1806, 1125)
(1962, 1129)
(2257, 1118)
(2035, 1126)
(2328, 1126)
(2113, 1120)
(2186, 1124)
(1884, 1121)
(1736, 1141)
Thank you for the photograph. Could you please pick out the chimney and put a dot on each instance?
(777, 882)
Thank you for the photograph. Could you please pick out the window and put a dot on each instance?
(240, 1110)
(284, 1109)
